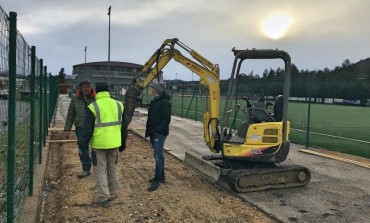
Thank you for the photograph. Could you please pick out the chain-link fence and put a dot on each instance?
(28, 98)
(325, 124)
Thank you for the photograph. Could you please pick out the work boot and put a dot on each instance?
(154, 185)
(113, 197)
(104, 204)
(83, 174)
(97, 202)
(163, 180)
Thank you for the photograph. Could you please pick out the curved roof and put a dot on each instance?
(112, 63)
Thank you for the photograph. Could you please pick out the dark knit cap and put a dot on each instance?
(101, 86)
(85, 82)
(159, 87)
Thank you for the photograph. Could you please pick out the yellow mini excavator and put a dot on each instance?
(250, 157)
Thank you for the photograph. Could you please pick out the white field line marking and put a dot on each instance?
(338, 137)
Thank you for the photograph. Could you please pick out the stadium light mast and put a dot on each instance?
(85, 57)
(109, 10)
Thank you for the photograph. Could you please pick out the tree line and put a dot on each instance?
(346, 82)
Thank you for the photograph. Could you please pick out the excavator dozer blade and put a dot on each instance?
(207, 169)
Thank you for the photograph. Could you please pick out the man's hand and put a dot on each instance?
(66, 134)
(122, 147)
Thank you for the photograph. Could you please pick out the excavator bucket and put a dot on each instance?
(207, 169)
(132, 97)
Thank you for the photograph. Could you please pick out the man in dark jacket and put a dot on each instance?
(76, 113)
(157, 128)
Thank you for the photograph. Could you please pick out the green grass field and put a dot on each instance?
(350, 125)
(333, 127)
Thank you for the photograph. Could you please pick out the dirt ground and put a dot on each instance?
(185, 197)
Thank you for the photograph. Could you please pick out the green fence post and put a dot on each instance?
(191, 101)
(41, 134)
(56, 94)
(47, 103)
(171, 100)
(45, 127)
(51, 99)
(11, 116)
(47, 99)
(182, 103)
(196, 103)
(309, 112)
(147, 96)
(32, 122)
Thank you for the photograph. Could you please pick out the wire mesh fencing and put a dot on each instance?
(331, 124)
(28, 97)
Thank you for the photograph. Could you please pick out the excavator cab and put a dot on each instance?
(265, 135)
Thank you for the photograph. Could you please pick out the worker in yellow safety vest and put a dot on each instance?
(105, 127)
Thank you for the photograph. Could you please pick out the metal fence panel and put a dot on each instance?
(19, 150)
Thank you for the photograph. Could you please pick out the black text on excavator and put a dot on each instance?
(249, 157)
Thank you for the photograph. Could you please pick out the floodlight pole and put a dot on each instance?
(109, 10)
(85, 57)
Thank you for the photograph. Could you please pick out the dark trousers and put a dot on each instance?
(85, 159)
(157, 141)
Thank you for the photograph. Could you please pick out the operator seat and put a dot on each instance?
(261, 103)
(258, 115)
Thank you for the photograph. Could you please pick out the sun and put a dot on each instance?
(277, 25)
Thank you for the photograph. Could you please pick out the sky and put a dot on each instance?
(315, 33)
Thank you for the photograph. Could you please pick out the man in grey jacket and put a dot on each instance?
(76, 114)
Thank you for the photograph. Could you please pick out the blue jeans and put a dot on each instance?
(157, 141)
(85, 159)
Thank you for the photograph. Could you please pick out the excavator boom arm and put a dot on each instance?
(211, 81)
(206, 70)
